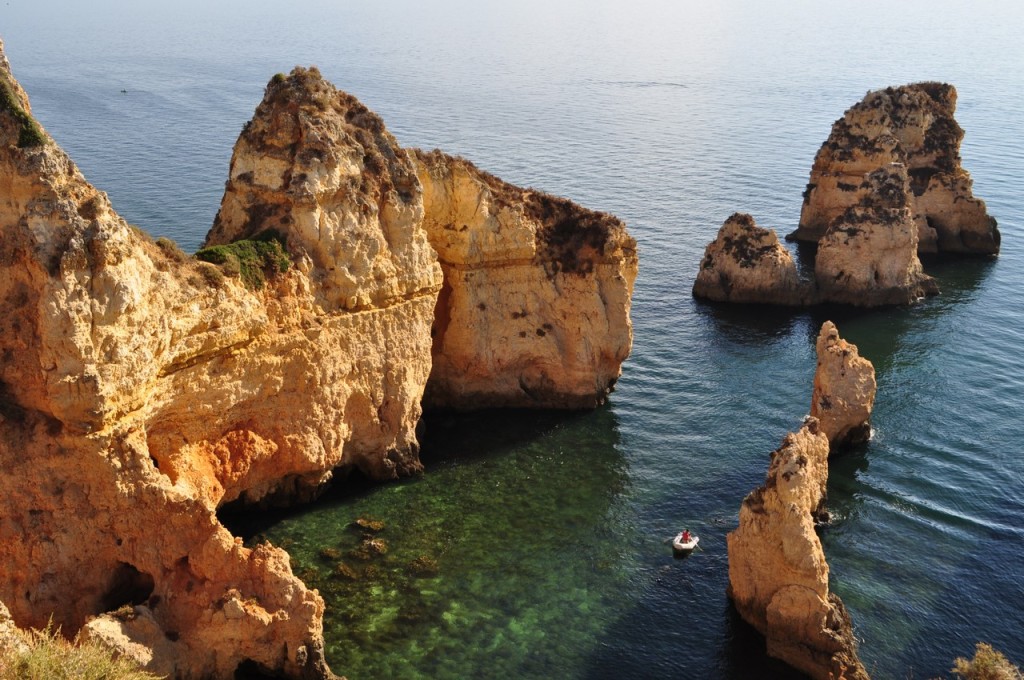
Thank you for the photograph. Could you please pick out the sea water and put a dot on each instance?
(533, 547)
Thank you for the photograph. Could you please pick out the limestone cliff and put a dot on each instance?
(317, 165)
(141, 389)
(844, 390)
(912, 125)
(535, 306)
(868, 255)
(778, 577)
(746, 263)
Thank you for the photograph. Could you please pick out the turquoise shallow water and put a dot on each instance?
(547, 529)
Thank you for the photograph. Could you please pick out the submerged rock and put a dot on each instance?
(746, 263)
(373, 525)
(912, 125)
(534, 311)
(844, 390)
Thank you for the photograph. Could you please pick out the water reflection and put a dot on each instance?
(748, 324)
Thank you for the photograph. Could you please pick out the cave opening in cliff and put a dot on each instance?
(806, 255)
(250, 670)
(127, 586)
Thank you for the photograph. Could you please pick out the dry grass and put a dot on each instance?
(987, 664)
(45, 655)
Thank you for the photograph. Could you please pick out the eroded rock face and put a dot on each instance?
(868, 255)
(317, 165)
(746, 263)
(140, 393)
(844, 390)
(535, 306)
(141, 390)
(778, 577)
(912, 125)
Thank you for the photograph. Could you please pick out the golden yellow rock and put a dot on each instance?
(778, 578)
(844, 390)
(746, 263)
(912, 125)
(317, 165)
(535, 306)
(868, 255)
(141, 392)
(142, 389)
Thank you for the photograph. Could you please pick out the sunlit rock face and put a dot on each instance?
(132, 406)
(142, 389)
(778, 577)
(534, 312)
(868, 255)
(844, 390)
(746, 263)
(912, 125)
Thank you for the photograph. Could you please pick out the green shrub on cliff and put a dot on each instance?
(30, 134)
(48, 656)
(987, 664)
(251, 259)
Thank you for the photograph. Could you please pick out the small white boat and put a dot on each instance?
(681, 547)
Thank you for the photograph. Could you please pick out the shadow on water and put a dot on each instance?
(743, 655)
(506, 555)
(454, 436)
(958, 276)
(806, 253)
(878, 332)
(749, 324)
(654, 640)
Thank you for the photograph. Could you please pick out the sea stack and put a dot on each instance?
(868, 255)
(746, 263)
(844, 390)
(912, 125)
(142, 389)
(778, 577)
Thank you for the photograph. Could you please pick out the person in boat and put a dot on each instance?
(686, 535)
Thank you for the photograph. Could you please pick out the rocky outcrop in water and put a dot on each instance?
(886, 184)
(912, 125)
(142, 389)
(746, 263)
(867, 257)
(778, 577)
(535, 306)
(844, 390)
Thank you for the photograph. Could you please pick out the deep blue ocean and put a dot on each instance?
(542, 534)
